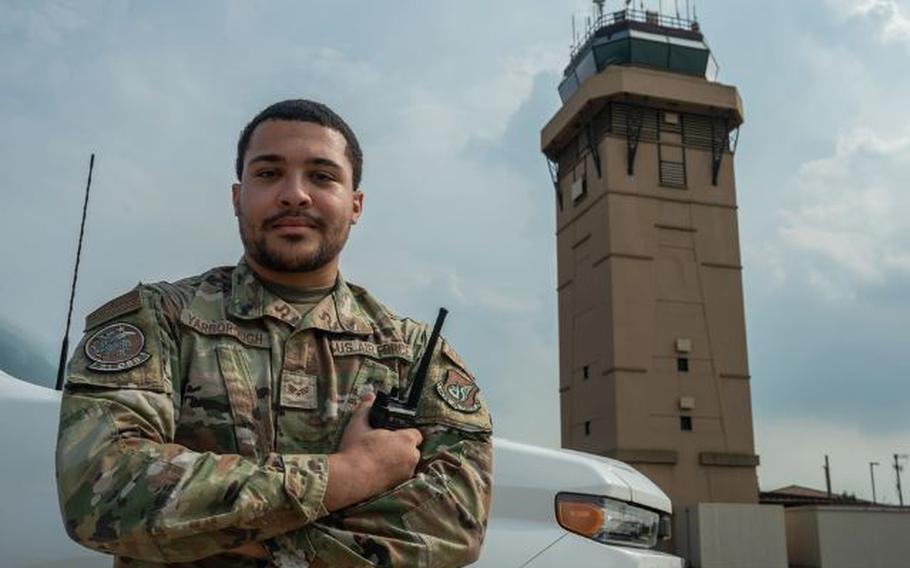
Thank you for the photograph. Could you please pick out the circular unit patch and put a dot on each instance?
(116, 347)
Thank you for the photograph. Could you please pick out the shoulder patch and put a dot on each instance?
(459, 392)
(119, 306)
(116, 347)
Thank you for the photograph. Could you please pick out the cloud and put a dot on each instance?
(889, 15)
(45, 23)
(847, 231)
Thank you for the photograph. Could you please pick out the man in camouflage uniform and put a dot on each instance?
(221, 420)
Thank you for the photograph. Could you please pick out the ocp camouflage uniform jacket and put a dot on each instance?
(198, 416)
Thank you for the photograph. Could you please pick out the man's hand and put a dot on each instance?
(369, 460)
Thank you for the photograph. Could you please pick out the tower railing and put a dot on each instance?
(646, 17)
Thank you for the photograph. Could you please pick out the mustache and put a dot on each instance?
(294, 213)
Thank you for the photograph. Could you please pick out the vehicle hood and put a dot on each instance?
(538, 468)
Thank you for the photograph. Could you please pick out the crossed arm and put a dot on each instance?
(126, 489)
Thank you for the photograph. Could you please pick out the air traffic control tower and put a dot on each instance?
(652, 343)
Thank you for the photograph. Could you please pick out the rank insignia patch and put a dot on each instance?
(298, 390)
(116, 347)
(459, 392)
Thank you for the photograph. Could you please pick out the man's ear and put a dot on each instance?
(235, 198)
(357, 209)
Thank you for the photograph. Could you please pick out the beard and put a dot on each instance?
(291, 254)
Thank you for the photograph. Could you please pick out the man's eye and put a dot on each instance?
(323, 177)
(267, 174)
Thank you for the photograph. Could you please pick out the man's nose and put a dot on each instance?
(295, 192)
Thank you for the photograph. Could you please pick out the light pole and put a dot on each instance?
(872, 475)
(897, 473)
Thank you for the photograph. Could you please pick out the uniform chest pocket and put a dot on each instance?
(364, 366)
(220, 405)
(374, 376)
(371, 376)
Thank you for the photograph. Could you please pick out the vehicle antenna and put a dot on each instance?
(64, 349)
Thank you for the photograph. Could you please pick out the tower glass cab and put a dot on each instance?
(641, 38)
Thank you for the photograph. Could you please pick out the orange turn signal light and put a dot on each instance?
(579, 517)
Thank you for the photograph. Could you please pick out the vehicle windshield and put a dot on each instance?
(22, 356)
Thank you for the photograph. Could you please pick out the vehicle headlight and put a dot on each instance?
(610, 521)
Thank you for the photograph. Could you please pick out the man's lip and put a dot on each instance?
(294, 222)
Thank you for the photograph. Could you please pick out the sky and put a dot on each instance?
(448, 100)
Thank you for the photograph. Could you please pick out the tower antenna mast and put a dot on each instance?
(574, 35)
(64, 348)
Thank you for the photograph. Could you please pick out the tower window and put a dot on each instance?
(579, 188)
(685, 423)
(682, 364)
(588, 428)
(672, 161)
(584, 372)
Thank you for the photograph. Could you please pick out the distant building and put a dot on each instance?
(797, 496)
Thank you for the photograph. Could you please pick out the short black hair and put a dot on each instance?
(303, 110)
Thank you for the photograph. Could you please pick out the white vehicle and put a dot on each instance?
(550, 507)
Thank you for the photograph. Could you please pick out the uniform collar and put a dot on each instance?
(338, 312)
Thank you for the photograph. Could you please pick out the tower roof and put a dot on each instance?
(637, 38)
(638, 85)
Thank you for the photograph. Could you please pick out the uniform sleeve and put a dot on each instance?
(438, 518)
(125, 488)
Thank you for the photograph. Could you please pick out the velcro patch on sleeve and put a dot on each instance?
(459, 392)
(116, 348)
(119, 306)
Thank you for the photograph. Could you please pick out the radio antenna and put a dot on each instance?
(64, 348)
(574, 34)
